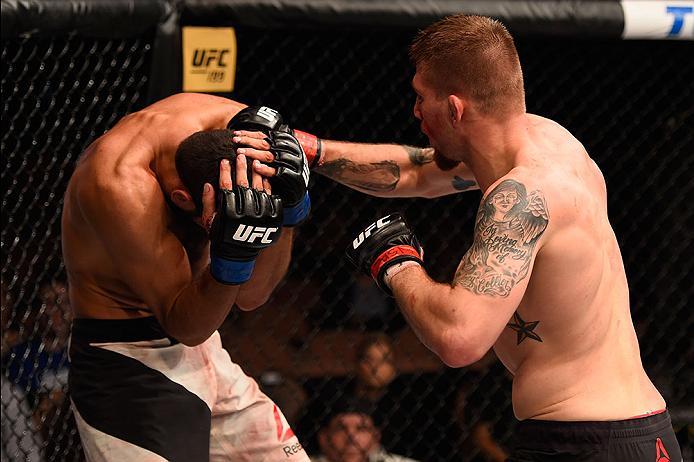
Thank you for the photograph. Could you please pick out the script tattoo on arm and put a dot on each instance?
(374, 176)
(509, 223)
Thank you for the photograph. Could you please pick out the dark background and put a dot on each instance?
(629, 102)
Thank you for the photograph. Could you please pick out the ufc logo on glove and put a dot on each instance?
(267, 113)
(246, 233)
(367, 232)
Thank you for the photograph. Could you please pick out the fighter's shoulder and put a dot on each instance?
(525, 180)
(121, 190)
(182, 104)
(534, 190)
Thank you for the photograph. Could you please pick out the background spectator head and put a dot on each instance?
(349, 434)
(375, 363)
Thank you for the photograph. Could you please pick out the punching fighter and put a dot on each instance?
(543, 282)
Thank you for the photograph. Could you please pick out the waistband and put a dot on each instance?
(118, 330)
(545, 430)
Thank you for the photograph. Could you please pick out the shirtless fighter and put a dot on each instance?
(149, 380)
(543, 283)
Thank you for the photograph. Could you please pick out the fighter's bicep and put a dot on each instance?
(508, 227)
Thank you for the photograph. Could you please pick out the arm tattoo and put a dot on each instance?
(461, 184)
(419, 156)
(374, 176)
(509, 223)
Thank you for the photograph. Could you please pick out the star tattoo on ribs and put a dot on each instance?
(523, 329)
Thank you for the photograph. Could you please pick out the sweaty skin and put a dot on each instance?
(588, 366)
(545, 285)
(129, 252)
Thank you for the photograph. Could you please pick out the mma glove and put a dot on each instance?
(381, 245)
(290, 158)
(246, 222)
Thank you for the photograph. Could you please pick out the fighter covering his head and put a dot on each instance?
(163, 231)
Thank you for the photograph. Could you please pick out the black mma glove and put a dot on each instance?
(383, 244)
(246, 222)
(291, 179)
(264, 119)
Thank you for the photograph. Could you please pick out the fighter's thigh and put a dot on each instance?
(102, 447)
(258, 432)
(122, 404)
(246, 424)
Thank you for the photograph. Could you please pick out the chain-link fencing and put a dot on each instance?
(630, 103)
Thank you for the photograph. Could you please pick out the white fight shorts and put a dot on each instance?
(139, 395)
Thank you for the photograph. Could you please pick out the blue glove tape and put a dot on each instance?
(231, 271)
(298, 213)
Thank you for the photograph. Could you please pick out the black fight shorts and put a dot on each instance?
(645, 439)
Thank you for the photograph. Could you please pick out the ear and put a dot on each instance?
(456, 108)
(183, 200)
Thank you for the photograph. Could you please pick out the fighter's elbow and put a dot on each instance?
(192, 341)
(251, 300)
(183, 332)
(457, 350)
(188, 337)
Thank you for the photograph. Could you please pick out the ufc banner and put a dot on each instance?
(209, 59)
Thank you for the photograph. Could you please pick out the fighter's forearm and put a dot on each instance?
(389, 170)
(270, 267)
(434, 315)
(376, 169)
(412, 288)
(199, 309)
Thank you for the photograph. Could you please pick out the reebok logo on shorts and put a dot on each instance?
(282, 434)
(661, 454)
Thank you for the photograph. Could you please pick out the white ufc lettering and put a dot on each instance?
(266, 113)
(247, 233)
(367, 232)
(305, 173)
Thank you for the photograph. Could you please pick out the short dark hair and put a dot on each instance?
(475, 55)
(349, 404)
(198, 158)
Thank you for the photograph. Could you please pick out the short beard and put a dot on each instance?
(443, 162)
